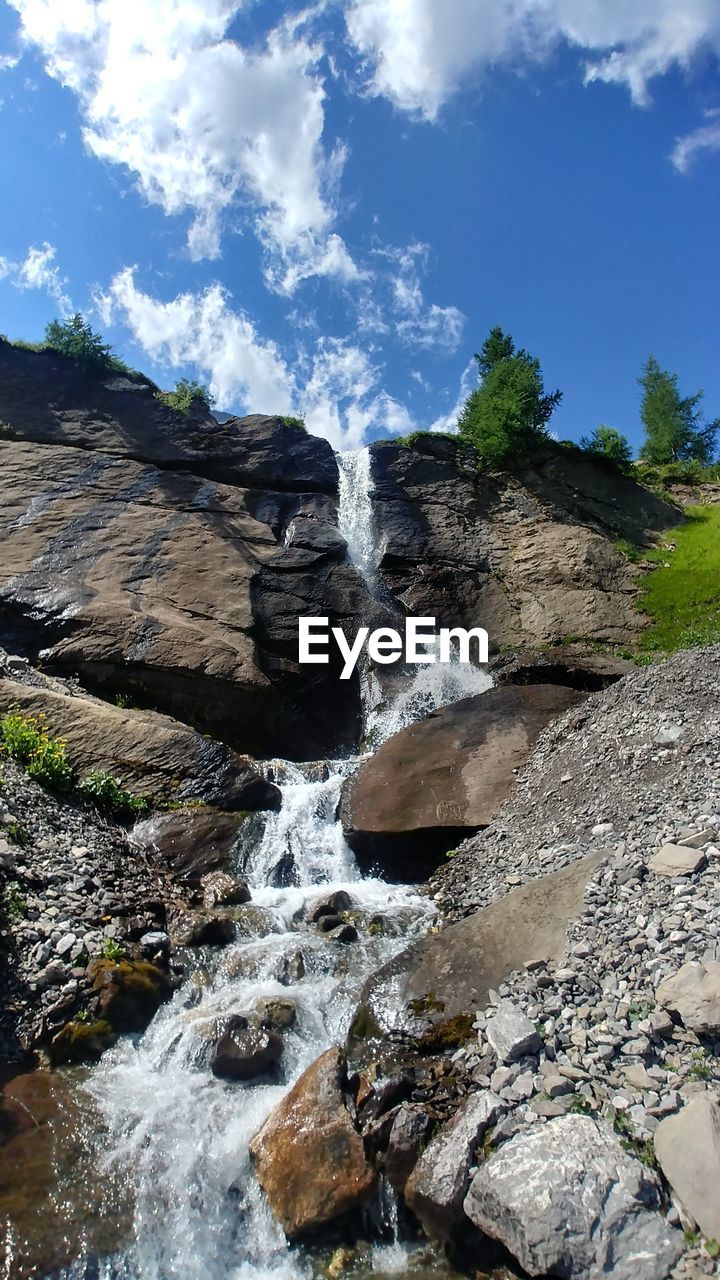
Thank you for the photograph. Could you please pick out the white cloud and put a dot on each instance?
(419, 52)
(226, 133)
(336, 387)
(705, 138)
(468, 382)
(38, 270)
(415, 321)
(8, 61)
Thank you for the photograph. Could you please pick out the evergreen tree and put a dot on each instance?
(674, 427)
(508, 413)
(608, 442)
(75, 338)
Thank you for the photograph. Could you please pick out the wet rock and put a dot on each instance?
(199, 928)
(693, 994)
(343, 933)
(407, 1137)
(246, 1051)
(444, 777)
(438, 1184)
(194, 842)
(129, 992)
(511, 1034)
(308, 1156)
(275, 1013)
(567, 1200)
(332, 905)
(329, 921)
(219, 889)
(687, 1148)
(452, 972)
(81, 1042)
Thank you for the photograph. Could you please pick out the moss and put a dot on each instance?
(130, 991)
(448, 1034)
(82, 1042)
(429, 1003)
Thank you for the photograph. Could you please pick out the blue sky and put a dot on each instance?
(323, 210)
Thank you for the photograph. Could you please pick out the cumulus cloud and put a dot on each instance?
(38, 270)
(336, 386)
(418, 53)
(468, 382)
(207, 126)
(705, 138)
(396, 302)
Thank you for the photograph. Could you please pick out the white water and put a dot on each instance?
(179, 1135)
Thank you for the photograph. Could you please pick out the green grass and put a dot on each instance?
(682, 595)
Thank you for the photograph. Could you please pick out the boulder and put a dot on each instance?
(452, 972)
(193, 842)
(129, 992)
(199, 928)
(531, 554)
(407, 1136)
(275, 1012)
(308, 1156)
(445, 777)
(693, 994)
(246, 1051)
(222, 890)
(687, 1148)
(566, 1200)
(148, 753)
(511, 1034)
(437, 1186)
(81, 1042)
(677, 860)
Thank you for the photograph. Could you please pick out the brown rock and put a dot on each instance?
(308, 1155)
(444, 778)
(222, 890)
(129, 992)
(149, 753)
(451, 972)
(246, 1051)
(199, 928)
(193, 842)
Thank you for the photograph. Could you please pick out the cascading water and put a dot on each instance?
(177, 1136)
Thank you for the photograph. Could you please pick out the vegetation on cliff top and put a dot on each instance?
(682, 595)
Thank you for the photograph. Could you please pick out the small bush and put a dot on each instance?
(104, 791)
(26, 739)
(15, 904)
(75, 339)
(6, 431)
(188, 394)
(112, 950)
(291, 421)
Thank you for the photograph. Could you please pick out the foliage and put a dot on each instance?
(15, 904)
(77, 340)
(608, 442)
(674, 427)
(15, 833)
(689, 471)
(104, 791)
(291, 421)
(507, 415)
(700, 1066)
(580, 1105)
(188, 394)
(640, 1009)
(26, 739)
(124, 701)
(112, 950)
(682, 595)
(6, 431)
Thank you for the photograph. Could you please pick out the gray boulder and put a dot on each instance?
(687, 1147)
(436, 1188)
(693, 993)
(677, 860)
(568, 1201)
(511, 1034)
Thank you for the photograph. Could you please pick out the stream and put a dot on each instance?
(174, 1138)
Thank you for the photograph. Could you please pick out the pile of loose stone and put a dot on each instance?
(69, 882)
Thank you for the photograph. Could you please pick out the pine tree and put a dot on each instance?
(608, 442)
(75, 338)
(507, 415)
(674, 427)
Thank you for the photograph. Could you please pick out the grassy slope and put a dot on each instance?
(682, 595)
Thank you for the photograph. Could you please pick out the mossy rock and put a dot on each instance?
(81, 1042)
(130, 992)
(448, 1034)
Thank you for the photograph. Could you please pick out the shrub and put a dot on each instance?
(291, 421)
(112, 950)
(187, 394)
(15, 904)
(26, 739)
(75, 338)
(6, 431)
(104, 791)
(607, 442)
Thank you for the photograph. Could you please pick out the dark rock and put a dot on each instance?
(222, 890)
(246, 1051)
(193, 842)
(407, 1138)
(327, 923)
(129, 992)
(81, 1042)
(334, 904)
(445, 777)
(570, 665)
(199, 928)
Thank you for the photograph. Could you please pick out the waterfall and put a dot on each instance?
(355, 510)
(175, 1136)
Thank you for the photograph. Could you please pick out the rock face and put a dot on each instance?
(148, 752)
(693, 993)
(444, 778)
(531, 555)
(566, 1200)
(452, 972)
(308, 1156)
(169, 557)
(438, 1184)
(687, 1148)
